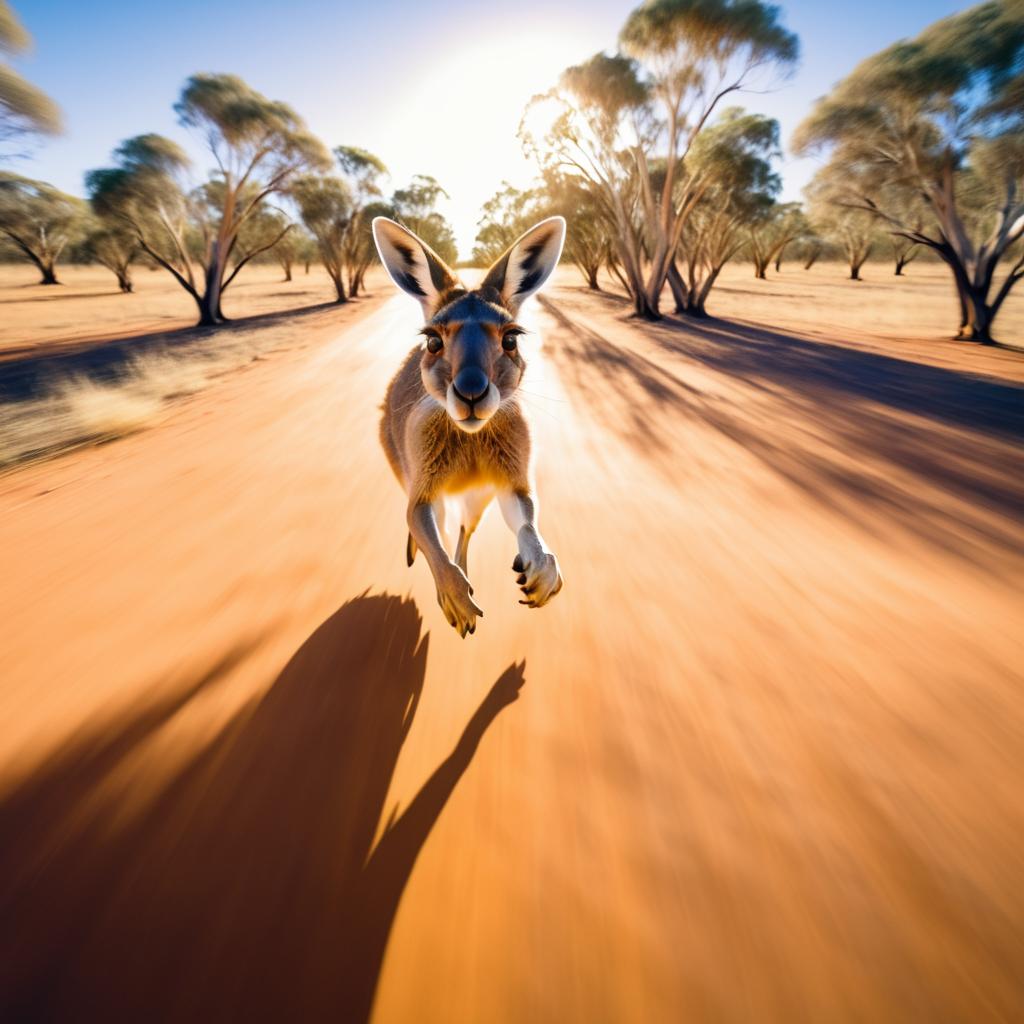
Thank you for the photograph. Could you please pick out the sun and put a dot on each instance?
(459, 116)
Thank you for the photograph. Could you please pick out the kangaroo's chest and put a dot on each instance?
(454, 461)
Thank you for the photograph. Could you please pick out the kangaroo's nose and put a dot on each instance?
(471, 383)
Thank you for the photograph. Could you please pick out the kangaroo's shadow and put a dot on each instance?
(251, 888)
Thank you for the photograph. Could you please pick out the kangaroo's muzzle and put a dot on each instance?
(472, 399)
(471, 384)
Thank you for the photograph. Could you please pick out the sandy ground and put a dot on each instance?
(760, 760)
(87, 309)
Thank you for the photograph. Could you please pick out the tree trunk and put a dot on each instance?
(209, 301)
(760, 268)
(287, 268)
(978, 321)
(339, 287)
(644, 308)
(47, 272)
(812, 259)
(592, 284)
(207, 313)
(778, 259)
(124, 280)
(307, 266)
(680, 292)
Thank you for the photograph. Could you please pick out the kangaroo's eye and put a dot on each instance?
(509, 341)
(434, 343)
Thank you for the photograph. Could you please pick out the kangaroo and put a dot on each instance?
(452, 427)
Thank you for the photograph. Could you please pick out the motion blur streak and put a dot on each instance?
(766, 764)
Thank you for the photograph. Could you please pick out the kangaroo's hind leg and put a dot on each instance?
(474, 504)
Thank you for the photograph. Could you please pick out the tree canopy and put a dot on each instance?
(625, 123)
(24, 109)
(204, 235)
(939, 118)
(39, 221)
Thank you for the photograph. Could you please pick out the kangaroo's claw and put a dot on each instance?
(539, 579)
(455, 596)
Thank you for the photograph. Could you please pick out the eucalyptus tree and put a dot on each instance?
(850, 231)
(503, 218)
(512, 211)
(734, 155)
(590, 243)
(621, 113)
(415, 206)
(769, 235)
(595, 105)
(306, 249)
(364, 253)
(199, 234)
(364, 175)
(24, 109)
(904, 251)
(286, 252)
(940, 117)
(39, 221)
(325, 205)
(112, 246)
(811, 250)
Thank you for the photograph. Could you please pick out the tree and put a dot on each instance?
(511, 211)
(24, 109)
(904, 251)
(853, 232)
(415, 207)
(200, 235)
(306, 249)
(112, 246)
(940, 117)
(364, 252)
(39, 221)
(620, 113)
(734, 155)
(769, 235)
(363, 174)
(325, 205)
(503, 218)
(590, 244)
(810, 248)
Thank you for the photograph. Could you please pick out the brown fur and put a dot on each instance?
(452, 426)
(445, 458)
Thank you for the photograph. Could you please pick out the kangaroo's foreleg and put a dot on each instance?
(454, 594)
(539, 577)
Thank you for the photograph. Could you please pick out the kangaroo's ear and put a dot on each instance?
(412, 264)
(528, 263)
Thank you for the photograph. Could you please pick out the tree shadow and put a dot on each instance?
(881, 441)
(250, 887)
(28, 373)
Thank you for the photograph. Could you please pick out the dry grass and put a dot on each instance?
(77, 404)
(78, 409)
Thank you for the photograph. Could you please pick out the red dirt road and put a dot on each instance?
(765, 761)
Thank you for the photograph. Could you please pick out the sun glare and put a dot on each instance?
(459, 117)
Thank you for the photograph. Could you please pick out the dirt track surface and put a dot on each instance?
(765, 761)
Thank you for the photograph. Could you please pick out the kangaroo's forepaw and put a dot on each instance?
(455, 596)
(538, 579)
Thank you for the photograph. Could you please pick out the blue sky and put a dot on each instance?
(432, 88)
